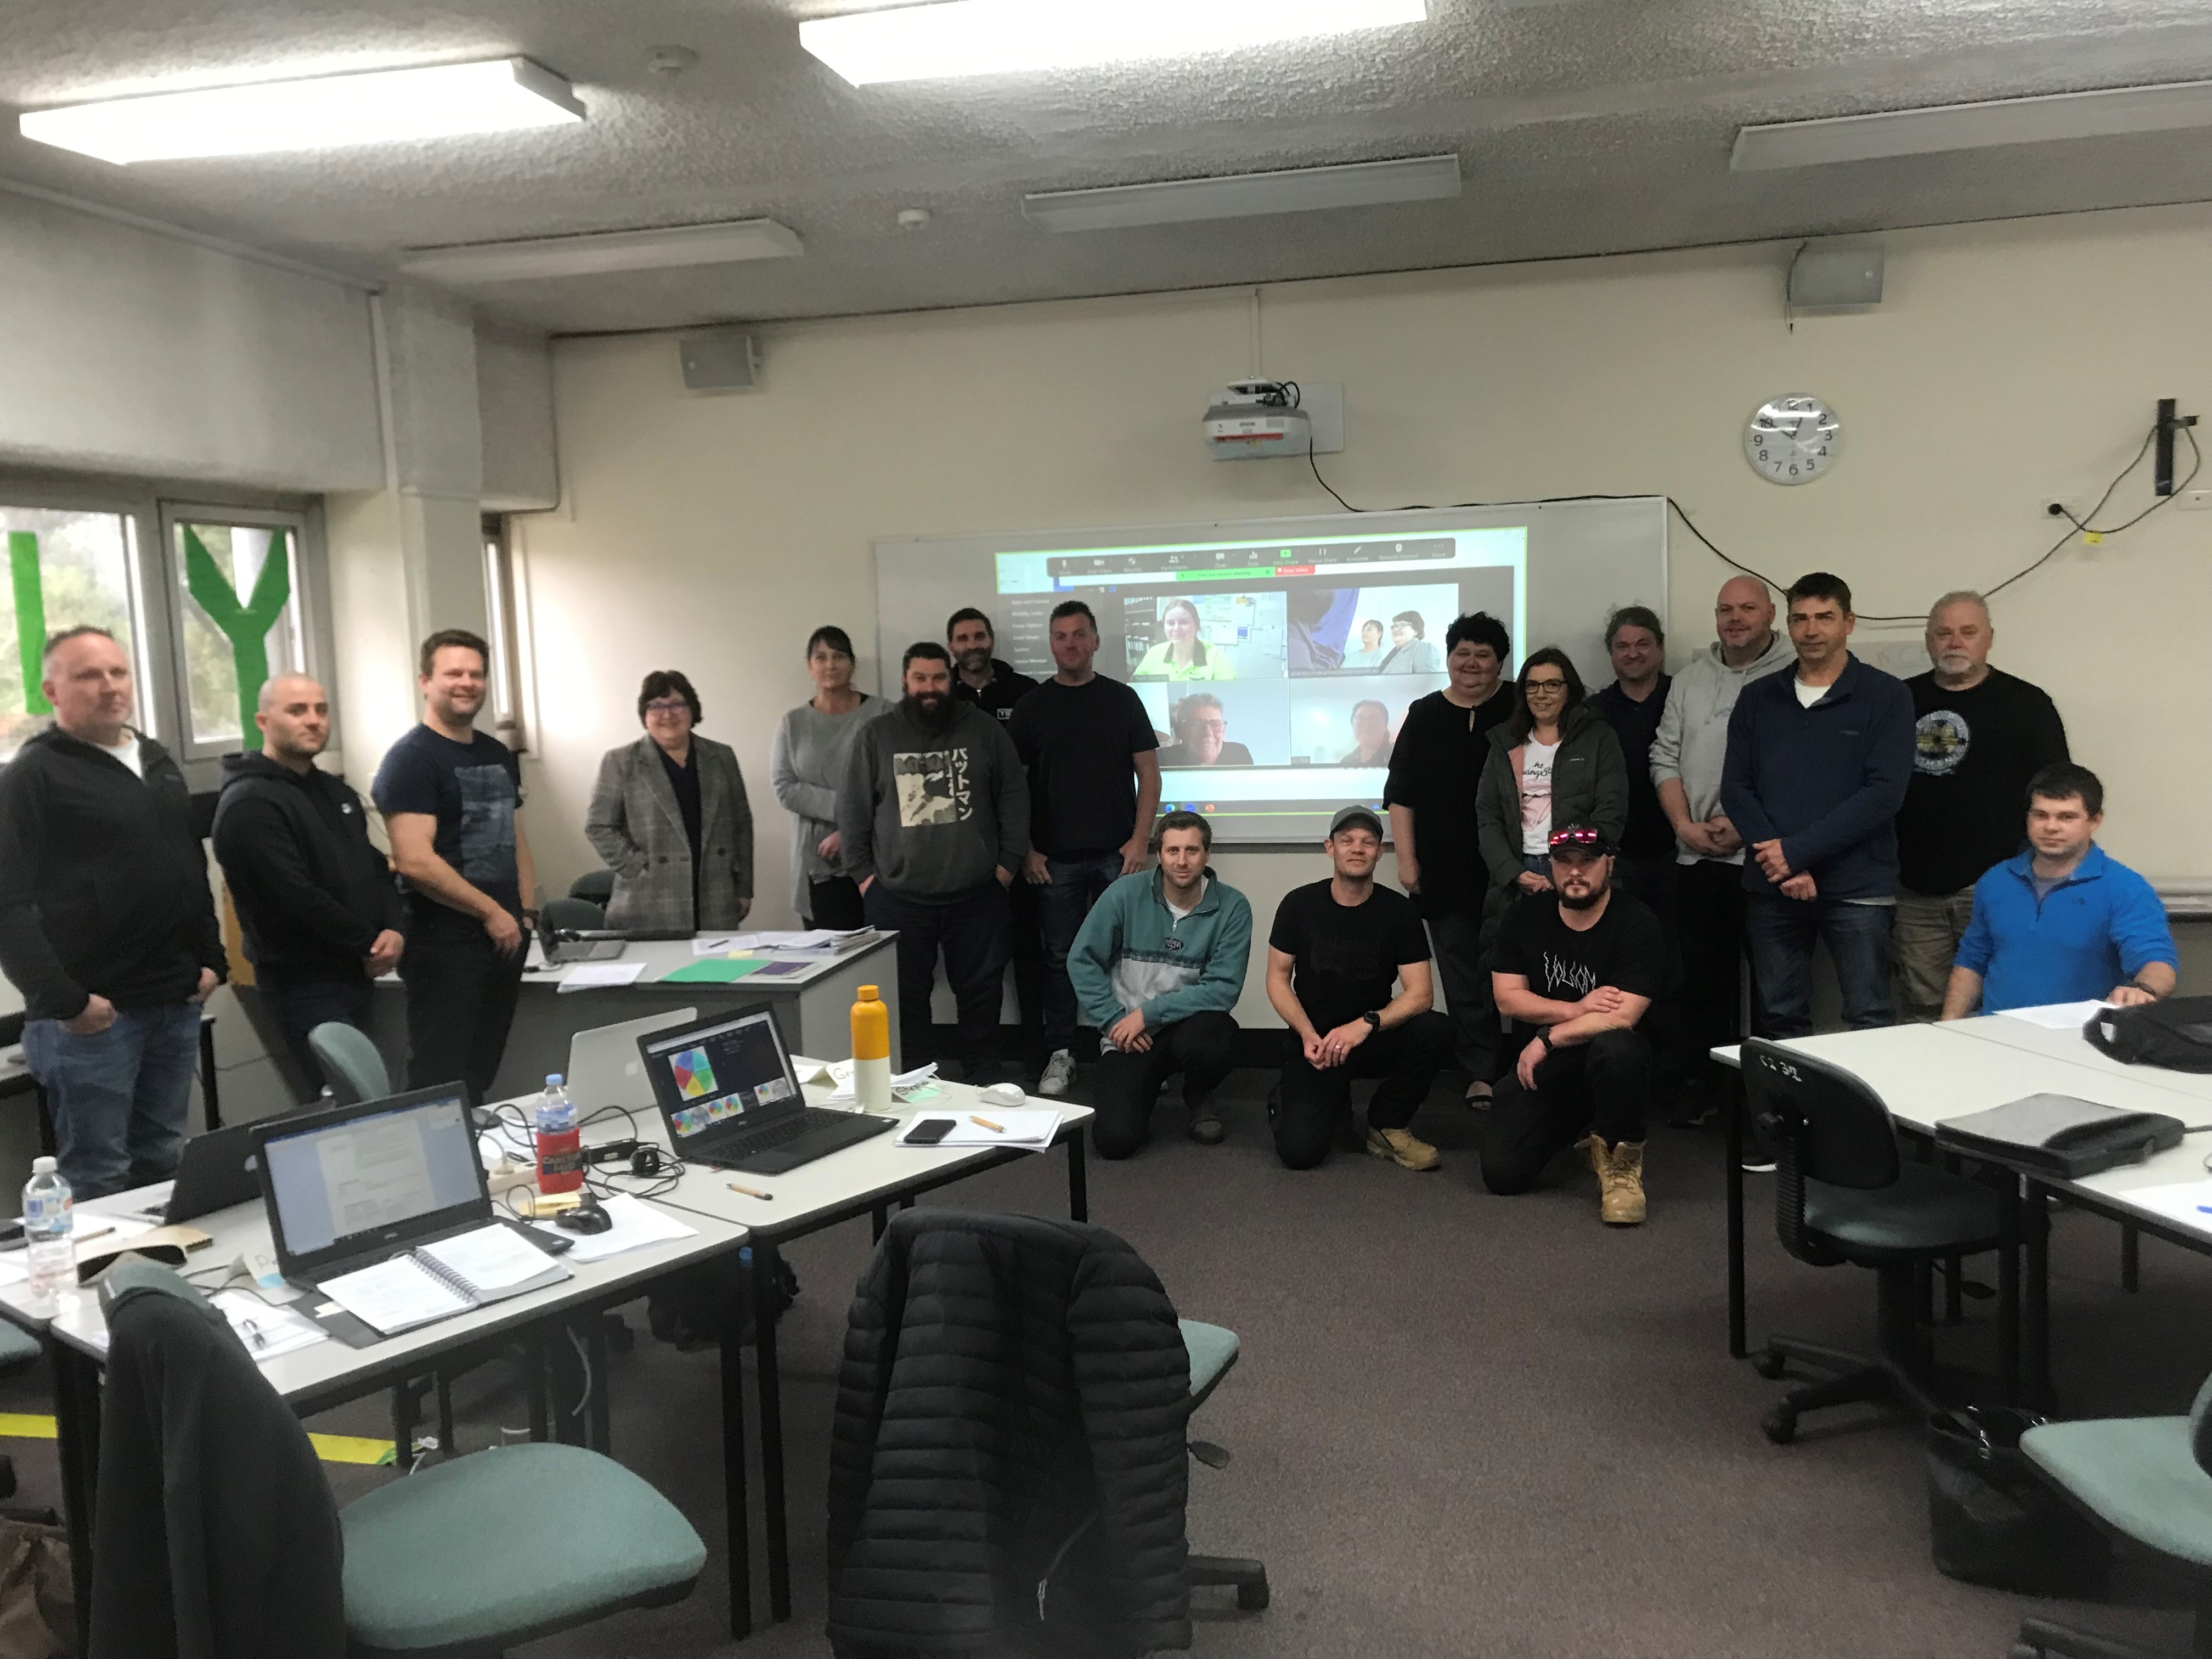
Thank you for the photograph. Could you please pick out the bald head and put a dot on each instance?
(1743, 617)
(295, 721)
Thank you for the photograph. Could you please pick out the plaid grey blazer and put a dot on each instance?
(637, 827)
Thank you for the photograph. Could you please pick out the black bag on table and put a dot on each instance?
(693, 1308)
(1993, 1519)
(2176, 1034)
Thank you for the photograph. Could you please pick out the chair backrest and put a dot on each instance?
(572, 913)
(2200, 1426)
(1825, 1125)
(350, 1062)
(597, 885)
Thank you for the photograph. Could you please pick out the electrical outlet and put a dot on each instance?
(2194, 501)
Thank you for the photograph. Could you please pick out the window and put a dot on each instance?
(500, 608)
(65, 568)
(235, 582)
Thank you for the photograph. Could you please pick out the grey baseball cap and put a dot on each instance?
(1366, 816)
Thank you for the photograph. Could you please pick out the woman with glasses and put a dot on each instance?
(670, 817)
(807, 767)
(1554, 759)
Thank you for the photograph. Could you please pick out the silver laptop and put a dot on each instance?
(604, 1067)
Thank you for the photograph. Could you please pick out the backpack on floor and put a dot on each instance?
(696, 1308)
(2176, 1034)
(1993, 1519)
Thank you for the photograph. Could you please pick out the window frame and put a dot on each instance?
(306, 593)
(502, 610)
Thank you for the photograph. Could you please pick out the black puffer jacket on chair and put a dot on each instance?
(1008, 1469)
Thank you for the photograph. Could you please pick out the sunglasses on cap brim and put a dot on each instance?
(1579, 841)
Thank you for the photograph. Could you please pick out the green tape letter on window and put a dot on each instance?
(246, 626)
(30, 617)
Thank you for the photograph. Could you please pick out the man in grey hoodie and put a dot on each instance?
(1686, 759)
(934, 818)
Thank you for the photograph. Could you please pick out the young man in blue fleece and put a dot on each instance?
(1158, 965)
(2062, 921)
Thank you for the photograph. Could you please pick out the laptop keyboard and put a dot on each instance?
(768, 1140)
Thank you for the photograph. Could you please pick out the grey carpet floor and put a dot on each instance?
(1462, 1425)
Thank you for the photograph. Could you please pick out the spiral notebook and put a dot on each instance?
(447, 1277)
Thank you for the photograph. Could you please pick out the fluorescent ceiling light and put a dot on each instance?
(378, 107)
(1005, 37)
(2115, 113)
(1243, 195)
(614, 250)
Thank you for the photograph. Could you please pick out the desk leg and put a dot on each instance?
(2035, 1314)
(738, 1539)
(2009, 1291)
(534, 1363)
(2131, 1256)
(77, 1412)
(1732, 1176)
(771, 1433)
(209, 1096)
(879, 1219)
(1078, 1179)
(603, 1436)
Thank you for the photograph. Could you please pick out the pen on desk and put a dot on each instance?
(986, 1123)
(96, 1233)
(253, 1334)
(753, 1191)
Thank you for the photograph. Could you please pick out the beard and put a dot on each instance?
(975, 662)
(1955, 665)
(1586, 901)
(932, 711)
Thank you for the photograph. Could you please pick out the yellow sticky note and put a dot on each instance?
(2094, 537)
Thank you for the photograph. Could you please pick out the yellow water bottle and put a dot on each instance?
(871, 1051)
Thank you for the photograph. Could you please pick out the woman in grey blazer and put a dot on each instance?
(670, 817)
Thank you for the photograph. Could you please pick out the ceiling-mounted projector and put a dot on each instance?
(1251, 419)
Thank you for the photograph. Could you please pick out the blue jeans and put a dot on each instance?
(1782, 931)
(1062, 904)
(120, 1098)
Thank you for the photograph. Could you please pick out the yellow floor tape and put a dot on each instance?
(330, 1447)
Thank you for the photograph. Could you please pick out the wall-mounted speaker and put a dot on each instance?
(1835, 278)
(727, 361)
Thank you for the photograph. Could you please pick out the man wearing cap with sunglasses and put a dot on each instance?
(1575, 969)
(1336, 950)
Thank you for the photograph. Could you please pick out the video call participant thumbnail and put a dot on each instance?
(1370, 732)
(1201, 727)
(1182, 655)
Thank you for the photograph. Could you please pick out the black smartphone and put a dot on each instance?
(927, 1131)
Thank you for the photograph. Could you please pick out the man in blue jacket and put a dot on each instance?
(1817, 761)
(2063, 922)
(1158, 965)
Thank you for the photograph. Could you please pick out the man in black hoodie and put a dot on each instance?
(106, 924)
(992, 686)
(315, 898)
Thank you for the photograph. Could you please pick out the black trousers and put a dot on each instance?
(460, 1001)
(1710, 906)
(1602, 1086)
(834, 904)
(971, 933)
(1464, 967)
(1654, 879)
(1125, 1087)
(298, 1006)
(1311, 1104)
(1028, 950)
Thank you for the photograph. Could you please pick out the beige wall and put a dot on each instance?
(2010, 365)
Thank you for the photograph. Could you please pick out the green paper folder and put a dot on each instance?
(710, 970)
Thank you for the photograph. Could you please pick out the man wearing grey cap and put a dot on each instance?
(1338, 950)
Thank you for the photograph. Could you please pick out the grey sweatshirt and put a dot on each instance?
(933, 814)
(806, 767)
(1692, 746)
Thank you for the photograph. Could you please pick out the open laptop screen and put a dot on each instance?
(342, 1183)
(718, 1074)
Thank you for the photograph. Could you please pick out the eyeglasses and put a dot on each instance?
(667, 706)
(1534, 686)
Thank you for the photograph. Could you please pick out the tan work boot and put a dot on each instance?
(1402, 1147)
(1620, 1181)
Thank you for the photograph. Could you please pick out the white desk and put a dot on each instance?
(2194, 1106)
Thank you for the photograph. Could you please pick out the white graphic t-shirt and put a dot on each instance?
(1537, 760)
(933, 788)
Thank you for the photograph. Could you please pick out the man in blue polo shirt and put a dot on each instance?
(2061, 922)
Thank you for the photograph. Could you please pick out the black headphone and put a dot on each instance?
(648, 1160)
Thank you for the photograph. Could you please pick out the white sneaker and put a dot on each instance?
(1059, 1072)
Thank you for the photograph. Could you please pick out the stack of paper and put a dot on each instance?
(905, 1086)
(267, 1332)
(598, 976)
(2055, 1016)
(1030, 1127)
(636, 1226)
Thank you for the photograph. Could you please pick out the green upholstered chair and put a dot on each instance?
(597, 885)
(1213, 1350)
(1842, 1196)
(572, 915)
(18, 1348)
(350, 1060)
(2144, 1477)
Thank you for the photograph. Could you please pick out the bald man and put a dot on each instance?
(107, 925)
(1686, 759)
(315, 898)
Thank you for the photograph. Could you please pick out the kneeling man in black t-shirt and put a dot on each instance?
(1575, 969)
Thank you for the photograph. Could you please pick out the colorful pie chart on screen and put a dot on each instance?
(694, 1074)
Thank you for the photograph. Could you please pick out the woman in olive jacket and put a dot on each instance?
(1588, 779)
(670, 817)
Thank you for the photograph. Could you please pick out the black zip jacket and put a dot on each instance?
(103, 884)
(312, 891)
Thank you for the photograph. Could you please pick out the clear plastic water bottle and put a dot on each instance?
(50, 1256)
(560, 1141)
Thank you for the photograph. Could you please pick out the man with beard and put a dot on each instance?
(452, 800)
(980, 678)
(934, 817)
(314, 897)
(1575, 969)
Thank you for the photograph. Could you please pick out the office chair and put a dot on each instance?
(349, 1060)
(1842, 1196)
(572, 914)
(2148, 1479)
(597, 885)
(1213, 1351)
(462, 1561)
(18, 1348)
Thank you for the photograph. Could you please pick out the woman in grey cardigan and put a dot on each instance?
(807, 768)
(670, 817)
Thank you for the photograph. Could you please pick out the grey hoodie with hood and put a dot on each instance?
(1692, 747)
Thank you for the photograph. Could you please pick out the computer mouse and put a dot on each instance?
(587, 1217)
(1004, 1094)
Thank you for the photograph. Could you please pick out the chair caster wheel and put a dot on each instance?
(1781, 1427)
(1252, 1598)
(1770, 1364)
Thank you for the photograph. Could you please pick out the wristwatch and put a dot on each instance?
(1544, 1036)
(1374, 1019)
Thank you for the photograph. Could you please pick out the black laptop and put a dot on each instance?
(217, 1170)
(730, 1098)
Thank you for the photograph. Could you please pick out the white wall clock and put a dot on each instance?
(1792, 440)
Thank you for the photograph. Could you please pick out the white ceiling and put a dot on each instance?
(1583, 126)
